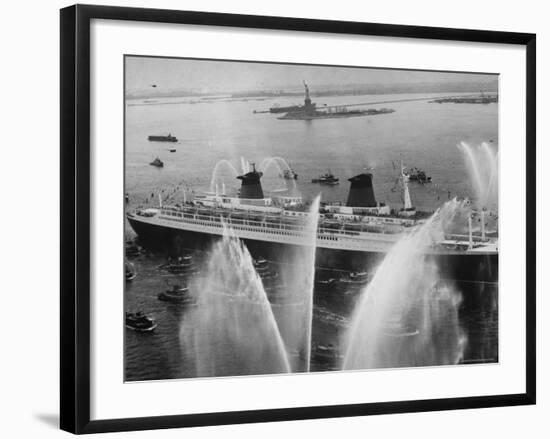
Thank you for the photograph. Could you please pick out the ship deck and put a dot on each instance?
(331, 234)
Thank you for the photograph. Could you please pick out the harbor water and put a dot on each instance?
(419, 134)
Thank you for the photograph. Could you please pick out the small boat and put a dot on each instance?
(325, 284)
(289, 174)
(326, 353)
(416, 174)
(138, 321)
(157, 162)
(172, 150)
(183, 265)
(129, 271)
(168, 138)
(327, 178)
(260, 263)
(177, 294)
(355, 278)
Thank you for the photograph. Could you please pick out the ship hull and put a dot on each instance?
(162, 139)
(459, 267)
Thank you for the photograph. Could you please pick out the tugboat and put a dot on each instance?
(157, 162)
(129, 271)
(289, 174)
(177, 294)
(184, 266)
(416, 174)
(168, 138)
(355, 279)
(140, 322)
(327, 178)
(325, 284)
(352, 284)
(327, 352)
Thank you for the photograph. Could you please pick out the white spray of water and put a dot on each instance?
(406, 316)
(280, 165)
(224, 170)
(267, 161)
(245, 165)
(309, 273)
(217, 173)
(297, 276)
(232, 330)
(482, 165)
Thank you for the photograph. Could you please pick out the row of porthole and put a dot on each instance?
(204, 223)
(331, 238)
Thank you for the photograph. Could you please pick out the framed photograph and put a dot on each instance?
(268, 218)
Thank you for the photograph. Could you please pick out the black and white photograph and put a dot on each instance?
(294, 218)
(275, 219)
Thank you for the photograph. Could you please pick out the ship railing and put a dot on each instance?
(338, 230)
(272, 221)
(267, 226)
(476, 237)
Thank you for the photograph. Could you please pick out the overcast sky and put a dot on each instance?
(185, 74)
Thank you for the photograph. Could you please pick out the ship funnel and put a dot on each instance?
(361, 192)
(250, 184)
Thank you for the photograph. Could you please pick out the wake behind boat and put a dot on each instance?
(183, 265)
(177, 294)
(140, 322)
(130, 271)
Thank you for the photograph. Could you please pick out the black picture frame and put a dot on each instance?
(75, 217)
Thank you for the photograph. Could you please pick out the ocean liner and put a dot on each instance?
(352, 236)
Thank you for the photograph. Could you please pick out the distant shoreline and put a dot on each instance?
(228, 98)
(358, 90)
